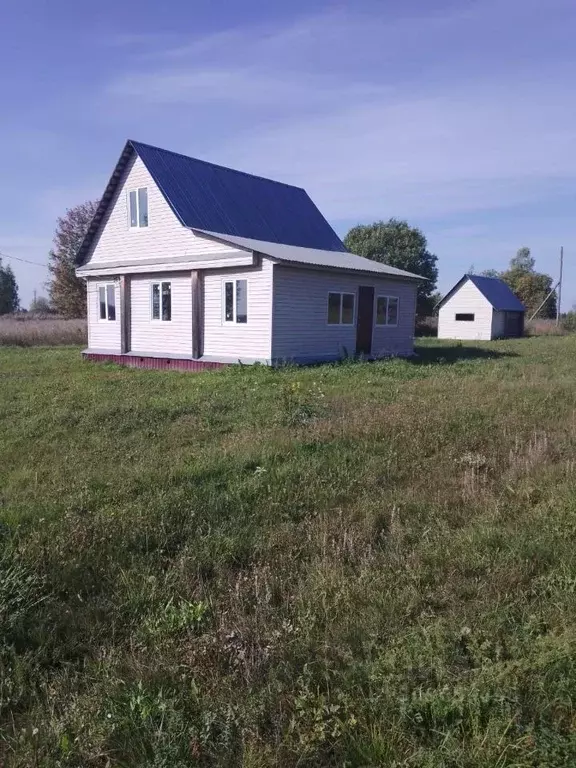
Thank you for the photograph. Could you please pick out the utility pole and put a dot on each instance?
(560, 286)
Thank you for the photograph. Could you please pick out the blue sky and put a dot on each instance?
(457, 116)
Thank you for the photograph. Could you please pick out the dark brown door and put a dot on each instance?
(364, 320)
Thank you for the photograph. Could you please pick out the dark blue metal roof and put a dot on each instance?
(219, 199)
(498, 293)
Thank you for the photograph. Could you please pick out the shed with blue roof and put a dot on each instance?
(189, 264)
(482, 308)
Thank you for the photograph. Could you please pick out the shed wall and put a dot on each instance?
(467, 300)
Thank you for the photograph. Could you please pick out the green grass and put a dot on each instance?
(353, 565)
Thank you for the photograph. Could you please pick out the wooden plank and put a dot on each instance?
(197, 315)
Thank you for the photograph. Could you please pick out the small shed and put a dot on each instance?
(480, 308)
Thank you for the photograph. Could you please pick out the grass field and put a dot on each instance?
(354, 565)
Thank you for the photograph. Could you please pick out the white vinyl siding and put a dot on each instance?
(103, 334)
(155, 336)
(164, 236)
(300, 330)
(466, 300)
(250, 340)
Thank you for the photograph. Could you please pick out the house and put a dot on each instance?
(480, 308)
(192, 265)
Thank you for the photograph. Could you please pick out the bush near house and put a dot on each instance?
(361, 565)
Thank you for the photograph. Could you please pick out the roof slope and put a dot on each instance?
(496, 291)
(218, 199)
(311, 256)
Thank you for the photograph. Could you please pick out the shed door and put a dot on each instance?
(514, 324)
(364, 320)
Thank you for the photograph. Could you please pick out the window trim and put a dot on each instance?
(234, 281)
(341, 293)
(387, 297)
(464, 317)
(137, 226)
(106, 286)
(159, 319)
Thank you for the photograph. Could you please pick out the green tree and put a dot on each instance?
(9, 300)
(530, 286)
(396, 243)
(68, 292)
(490, 273)
(523, 260)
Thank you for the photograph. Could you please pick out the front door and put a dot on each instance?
(364, 320)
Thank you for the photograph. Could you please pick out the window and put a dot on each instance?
(161, 301)
(340, 309)
(107, 301)
(138, 206)
(463, 316)
(387, 310)
(236, 301)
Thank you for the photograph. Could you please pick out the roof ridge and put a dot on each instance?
(215, 165)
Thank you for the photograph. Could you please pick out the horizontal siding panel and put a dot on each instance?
(170, 337)
(300, 328)
(468, 299)
(102, 334)
(250, 340)
(163, 237)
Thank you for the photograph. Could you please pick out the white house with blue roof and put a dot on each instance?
(191, 265)
(482, 308)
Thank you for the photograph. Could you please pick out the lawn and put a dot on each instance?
(353, 565)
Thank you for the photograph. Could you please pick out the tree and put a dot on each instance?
(530, 286)
(490, 273)
(9, 300)
(523, 260)
(40, 305)
(395, 243)
(68, 292)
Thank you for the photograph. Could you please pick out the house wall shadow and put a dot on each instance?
(449, 354)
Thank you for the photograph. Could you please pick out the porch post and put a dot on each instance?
(124, 314)
(197, 315)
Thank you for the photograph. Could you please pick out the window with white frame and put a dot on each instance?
(235, 301)
(387, 310)
(138, 207)
(107, 301)
(341, 308)
(161, 301)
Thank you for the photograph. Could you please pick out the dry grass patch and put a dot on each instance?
(31, 331)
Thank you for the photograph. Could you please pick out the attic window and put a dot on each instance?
(464, 316)
(138, 207)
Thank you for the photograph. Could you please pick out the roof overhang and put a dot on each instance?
(310, 258)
